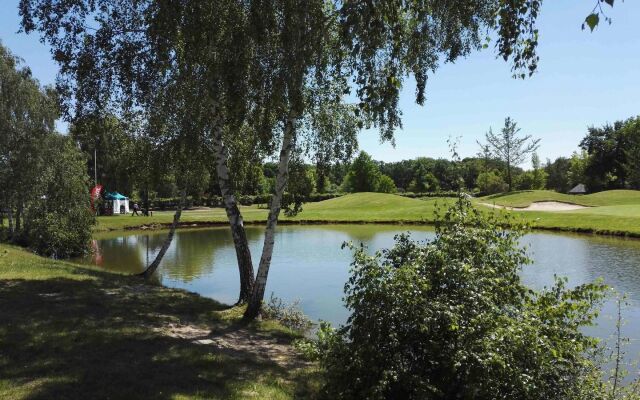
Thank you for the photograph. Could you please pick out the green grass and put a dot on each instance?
(353, 208)
(526, 197)
(69, 332)
(614, 212)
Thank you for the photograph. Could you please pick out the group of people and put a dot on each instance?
(140, 211)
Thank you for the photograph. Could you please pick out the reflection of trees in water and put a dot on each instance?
(192, 255)
(123, 254)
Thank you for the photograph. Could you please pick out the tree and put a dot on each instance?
(510, 148)
(58, 221)
(364, 174)
(539, 175)
(386, 185)
(106, 144)
(490, 182)
(558, 174)
(606, 147)
(632, 161)
(43, 181)
(267, 63)
(577, 168)
(451, 319)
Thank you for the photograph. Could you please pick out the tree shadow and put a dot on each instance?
(106, 338)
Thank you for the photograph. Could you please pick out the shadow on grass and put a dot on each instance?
(104, 338)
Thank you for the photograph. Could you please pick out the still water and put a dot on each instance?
(309, 265)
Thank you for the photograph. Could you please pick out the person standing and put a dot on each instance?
(136, 208)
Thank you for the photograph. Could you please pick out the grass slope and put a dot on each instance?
(526, 197)
(612, 212)
(615, 212)
(69, 332)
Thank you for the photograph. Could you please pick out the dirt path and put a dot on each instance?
(540, 206)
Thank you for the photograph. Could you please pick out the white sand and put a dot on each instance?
(541, 206)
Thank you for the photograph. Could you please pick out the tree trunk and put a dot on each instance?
(10, 218)
(167, 242)
(257, 296)
(509, 176)
(241, 244)
(19, 218)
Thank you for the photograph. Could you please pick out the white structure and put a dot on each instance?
(117, 202)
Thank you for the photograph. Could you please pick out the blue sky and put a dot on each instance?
(583, 79)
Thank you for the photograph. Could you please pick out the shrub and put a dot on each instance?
(386, 185)
(450, 319)
(289, 315)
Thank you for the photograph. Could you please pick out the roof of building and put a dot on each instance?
(578, 189)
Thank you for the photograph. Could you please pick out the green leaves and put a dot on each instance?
(592, 21)
(452, 319)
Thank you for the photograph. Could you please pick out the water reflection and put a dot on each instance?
(309, 265)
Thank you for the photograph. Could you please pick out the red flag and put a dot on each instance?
(95, 195)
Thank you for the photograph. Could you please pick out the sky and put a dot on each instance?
(584, 78)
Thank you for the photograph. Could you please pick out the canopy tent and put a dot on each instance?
(117, 202)
(579, 189)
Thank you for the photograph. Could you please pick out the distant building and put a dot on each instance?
(579, 189)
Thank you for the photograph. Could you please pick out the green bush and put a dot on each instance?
(289, 315)
(490, 183)
(60, 235)
(451, 319)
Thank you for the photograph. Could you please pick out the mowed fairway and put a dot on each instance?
(612, 212)
(352, 208)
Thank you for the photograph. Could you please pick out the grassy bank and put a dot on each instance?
(526, 197)
(69, 332)
(614, 212)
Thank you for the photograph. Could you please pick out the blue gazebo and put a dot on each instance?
(117, 202)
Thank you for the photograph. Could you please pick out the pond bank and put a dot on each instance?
(73, 332)
(535, 224)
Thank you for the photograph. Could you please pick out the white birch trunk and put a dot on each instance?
(167, 242)
(241, 244)
(260, 284)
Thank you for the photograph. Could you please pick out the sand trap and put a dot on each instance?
(541, 206)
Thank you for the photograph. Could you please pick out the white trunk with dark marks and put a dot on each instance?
(167, 242)
(241, 244)
(288, 142)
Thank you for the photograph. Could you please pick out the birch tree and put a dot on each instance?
(265, 64)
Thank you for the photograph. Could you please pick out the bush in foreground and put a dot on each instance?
(451, 319)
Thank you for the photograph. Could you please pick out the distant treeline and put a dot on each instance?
(609, 158)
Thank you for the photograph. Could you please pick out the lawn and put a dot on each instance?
(352, 208)
(612, 212)
(526, 197)
(69, 332)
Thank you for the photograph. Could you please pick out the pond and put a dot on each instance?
(309, 264)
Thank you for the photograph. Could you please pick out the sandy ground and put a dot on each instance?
(541, 206)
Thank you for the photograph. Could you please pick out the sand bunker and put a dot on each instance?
(541, 206)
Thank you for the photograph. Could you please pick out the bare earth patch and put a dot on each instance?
(540, 206)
